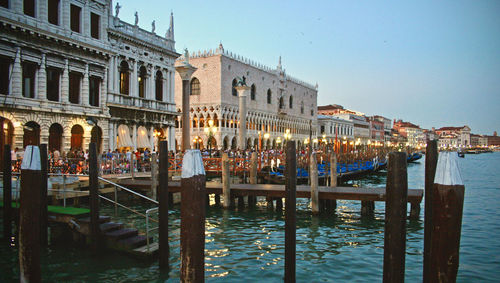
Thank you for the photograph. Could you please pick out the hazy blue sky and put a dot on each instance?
(433, 63)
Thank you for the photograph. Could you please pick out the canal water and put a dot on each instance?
(248, 245)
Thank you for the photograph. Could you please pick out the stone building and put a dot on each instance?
(71, 73)
(362, 134)
(460, 134)
(276, 104)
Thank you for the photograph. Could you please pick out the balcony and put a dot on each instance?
(121, 100)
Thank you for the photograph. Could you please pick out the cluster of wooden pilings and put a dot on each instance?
(444, 196)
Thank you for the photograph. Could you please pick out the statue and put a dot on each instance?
(153, 27)
(186, 56)
(242, 81)
(117, 9)
(136, 18)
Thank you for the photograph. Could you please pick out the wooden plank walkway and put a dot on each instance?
(347, 193)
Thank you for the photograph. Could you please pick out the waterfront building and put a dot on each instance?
(387, 126)
(377, 130)
(478, 140)
(276, 103)
(413, 133)
(493, 140)
(72, 73)
(362, 133)
(450, 134)
(333, 129)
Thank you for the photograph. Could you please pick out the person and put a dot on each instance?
(57, 155)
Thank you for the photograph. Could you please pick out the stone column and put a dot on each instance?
(85, 86)
(86, 20)
(151, 89)
(171, 137)
(165, 95)
(103, 92)
(111, 81)
(65, 83)
(242, 135)
(152, 137)
(111, 135)
(116, 74)
(42, 10)
(134, 136)
(185, 71)
(42, 79)
(17, 75)
(133, 84)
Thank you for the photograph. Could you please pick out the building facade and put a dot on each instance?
(64, 79)
(276, 103)
(362, 133)
(333, 128)
(454, 136)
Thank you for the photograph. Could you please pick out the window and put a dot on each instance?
(290, 102)
(269, 96)
(29, 8)
(252, 92)
(322, 129)
(302, 107)
(94, 84)
(53, 12)
(159, 86)
(142, 81)
(94, 25)
(52, 84)
(75, 18)
(4, 3)
(195, 86)
(312, 112)
(4, 75)
(29, 70)
(233, 90)
(124, 78)
(282, 103)
(74, 87)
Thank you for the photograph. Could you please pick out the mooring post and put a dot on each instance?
(94, 197)
(431, 158)
(193, 217)
(253, 178)
(447, 209)
(290, 211)
(164, 252)
(226, 189)
(395, 218)
(43, 196)
(314, 184)
(154, 175)
(7, 193)
(29, 226)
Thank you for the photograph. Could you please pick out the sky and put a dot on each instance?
(432, 63)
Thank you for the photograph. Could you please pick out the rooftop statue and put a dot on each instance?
(117, 9)
(136, 18)
(186, 56)
(242, 81)
(153, 27)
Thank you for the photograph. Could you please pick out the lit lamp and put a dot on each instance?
(211, 130)
(266, 137)
(278, 141)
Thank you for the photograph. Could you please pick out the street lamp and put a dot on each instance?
(211, 130)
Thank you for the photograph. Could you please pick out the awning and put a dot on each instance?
(142, 138)
(124, 139)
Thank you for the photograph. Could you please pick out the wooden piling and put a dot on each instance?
(132, 165)
(226, 189)
(447, 209)
(7, 193)
(290, 211)
(314, 183)
(279, 204)
(253, 178)
(333, 170)
(431, 158)
(43, 196)
(94, 197)
(269, 203)
(193, 217)
(29, 223)
(163, 204)
(395, 218)
(217, 199)
(154, 175)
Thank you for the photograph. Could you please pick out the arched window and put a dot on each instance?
(290, 102)
(302, 107)
(124, 78)
(195, 86)
(269, 96)
(142, 81)
(252, 92)
(233, 90)
(159, 86)
(282, 103)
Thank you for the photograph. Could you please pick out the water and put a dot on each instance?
(248, 245)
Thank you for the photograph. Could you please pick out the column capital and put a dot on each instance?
(185, 71)
(242, 90)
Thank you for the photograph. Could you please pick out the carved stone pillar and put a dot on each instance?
(185, 71)
(242, 137)
(42, 79)
(17, 72)
(85, 86)
(65, 82)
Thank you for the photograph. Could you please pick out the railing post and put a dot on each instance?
(43, 196)
(395, 218)
(7, 193)
(314, 184)
(193, 218)
(447, 209)
(431, 158)
(94, 197)
(29, 223)
(163, 206)
(290, 211)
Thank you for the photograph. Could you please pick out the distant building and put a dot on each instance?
(377, 129)
(276, 103)
(454, 136)
(387, 126)
(333, 128)
(493, 140)
(413, 133)
(362, 132)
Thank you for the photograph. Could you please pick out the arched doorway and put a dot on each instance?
(55, 137)
(96, 137)
(31, 134)
(76, 137)
(233, 143)
(225, 143)
(212, 143)
(6, 135)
